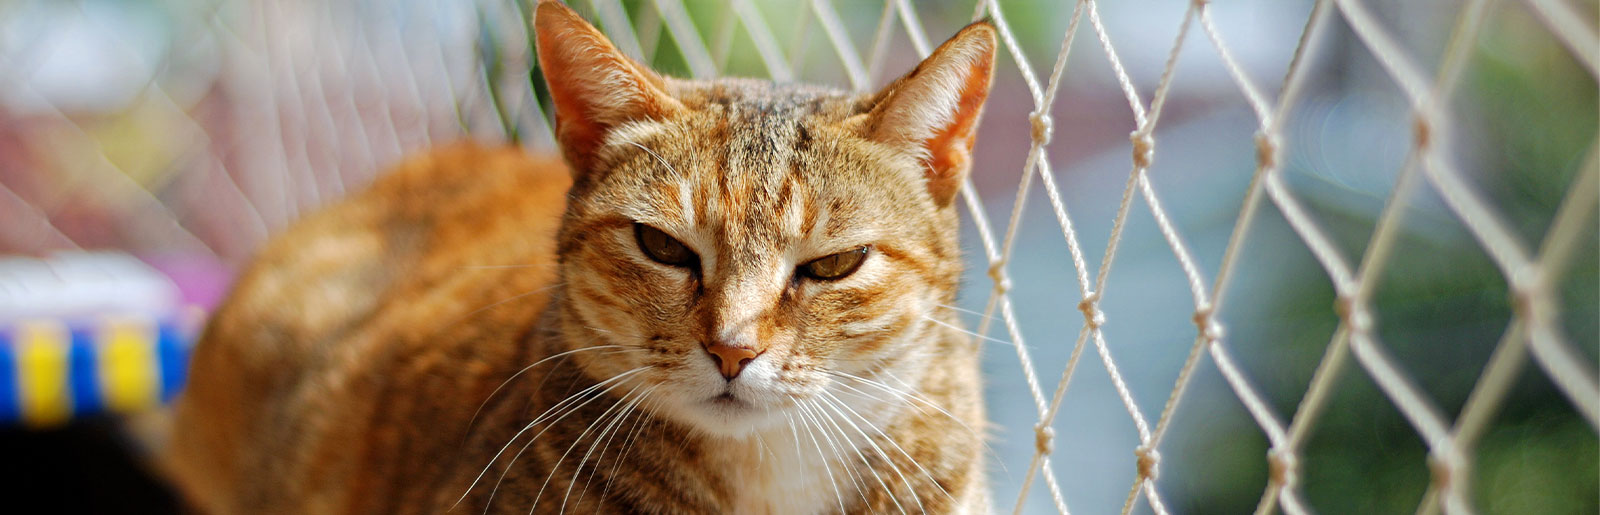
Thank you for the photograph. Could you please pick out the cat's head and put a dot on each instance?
(748, 247)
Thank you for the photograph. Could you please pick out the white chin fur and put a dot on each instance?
(753, 401)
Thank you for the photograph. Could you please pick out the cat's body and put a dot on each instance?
(743, 310)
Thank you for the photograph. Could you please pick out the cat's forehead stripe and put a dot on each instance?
(742, 175)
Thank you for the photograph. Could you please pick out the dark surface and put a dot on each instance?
(85, 467)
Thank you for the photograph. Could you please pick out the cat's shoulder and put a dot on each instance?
(431, 218)
(388, 271)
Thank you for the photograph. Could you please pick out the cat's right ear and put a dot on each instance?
(593, 86)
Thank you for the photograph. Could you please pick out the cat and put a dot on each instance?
(726, 296)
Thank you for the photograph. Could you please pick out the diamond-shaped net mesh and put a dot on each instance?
(262, 110)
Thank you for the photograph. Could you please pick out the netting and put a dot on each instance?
(284, 103)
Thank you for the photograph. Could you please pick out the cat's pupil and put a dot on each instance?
(662, 248)
(835, 266)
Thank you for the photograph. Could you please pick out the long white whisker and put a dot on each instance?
(978, 313)
(616, 425)
(767, 410)
(658, 158)
(575, 441)
(905, 394)
(606, 435)
(767, 450)
(509, 299)
(629, 441)
(964, 331)
(832, 480)
(623, 351)
(498, 267)
(564, 408)
(963, 424)
(864, 462)
(897, 398)
(608, 331)
(838, 403)
(855, 476)
(887, 460)
(920, 401)
(609, 428)
(513, 377)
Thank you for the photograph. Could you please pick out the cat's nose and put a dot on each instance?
(731, 359)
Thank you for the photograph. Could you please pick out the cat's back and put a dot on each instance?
(390, 312)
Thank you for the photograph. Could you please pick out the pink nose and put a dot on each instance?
(730, 359)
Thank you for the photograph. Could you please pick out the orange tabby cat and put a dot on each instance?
(732, 303)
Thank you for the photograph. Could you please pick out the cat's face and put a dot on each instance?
(750, 251)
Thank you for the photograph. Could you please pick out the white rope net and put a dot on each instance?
(281, 125)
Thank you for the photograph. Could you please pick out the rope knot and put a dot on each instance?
(1209, 326)
(1090, 306)
(1525, 285)
(997, 273)
(1421, 131)
(1266, 147)
(1144, 149)
(1441, 471)
(1342, 305)
(1149, 462)
(1044, 439)
(1281, 467)
(1043, 126)
(1352, 313)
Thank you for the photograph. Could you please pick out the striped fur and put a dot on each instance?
(474, 334)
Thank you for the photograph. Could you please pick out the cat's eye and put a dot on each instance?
(835, 266)
(662, 248)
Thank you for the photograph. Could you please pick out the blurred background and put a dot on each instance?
(148, 147)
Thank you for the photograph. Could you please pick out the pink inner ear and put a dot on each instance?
(950, 148)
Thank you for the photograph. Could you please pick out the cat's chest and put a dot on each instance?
(781, 474)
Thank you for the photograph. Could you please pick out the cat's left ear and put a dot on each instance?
(932, 112)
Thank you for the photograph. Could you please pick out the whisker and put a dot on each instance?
(908, 393)
(500, 267)
(897, 398)
(658, 158)
(608, 331)
(762, 442)
(886, 460)
(633, 435)
(508, 380)
(575, 441)
(568, 411)
(838, 403)
(637, 411)
(503, 301)
(562, 408)
(899, 393)
(626, 350)
(628, 408)
(599, 460)
(860, 489)
(968, 311)
(964, 331)
(832, 480)
(844, 442)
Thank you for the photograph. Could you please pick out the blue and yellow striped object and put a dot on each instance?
(52, 371)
